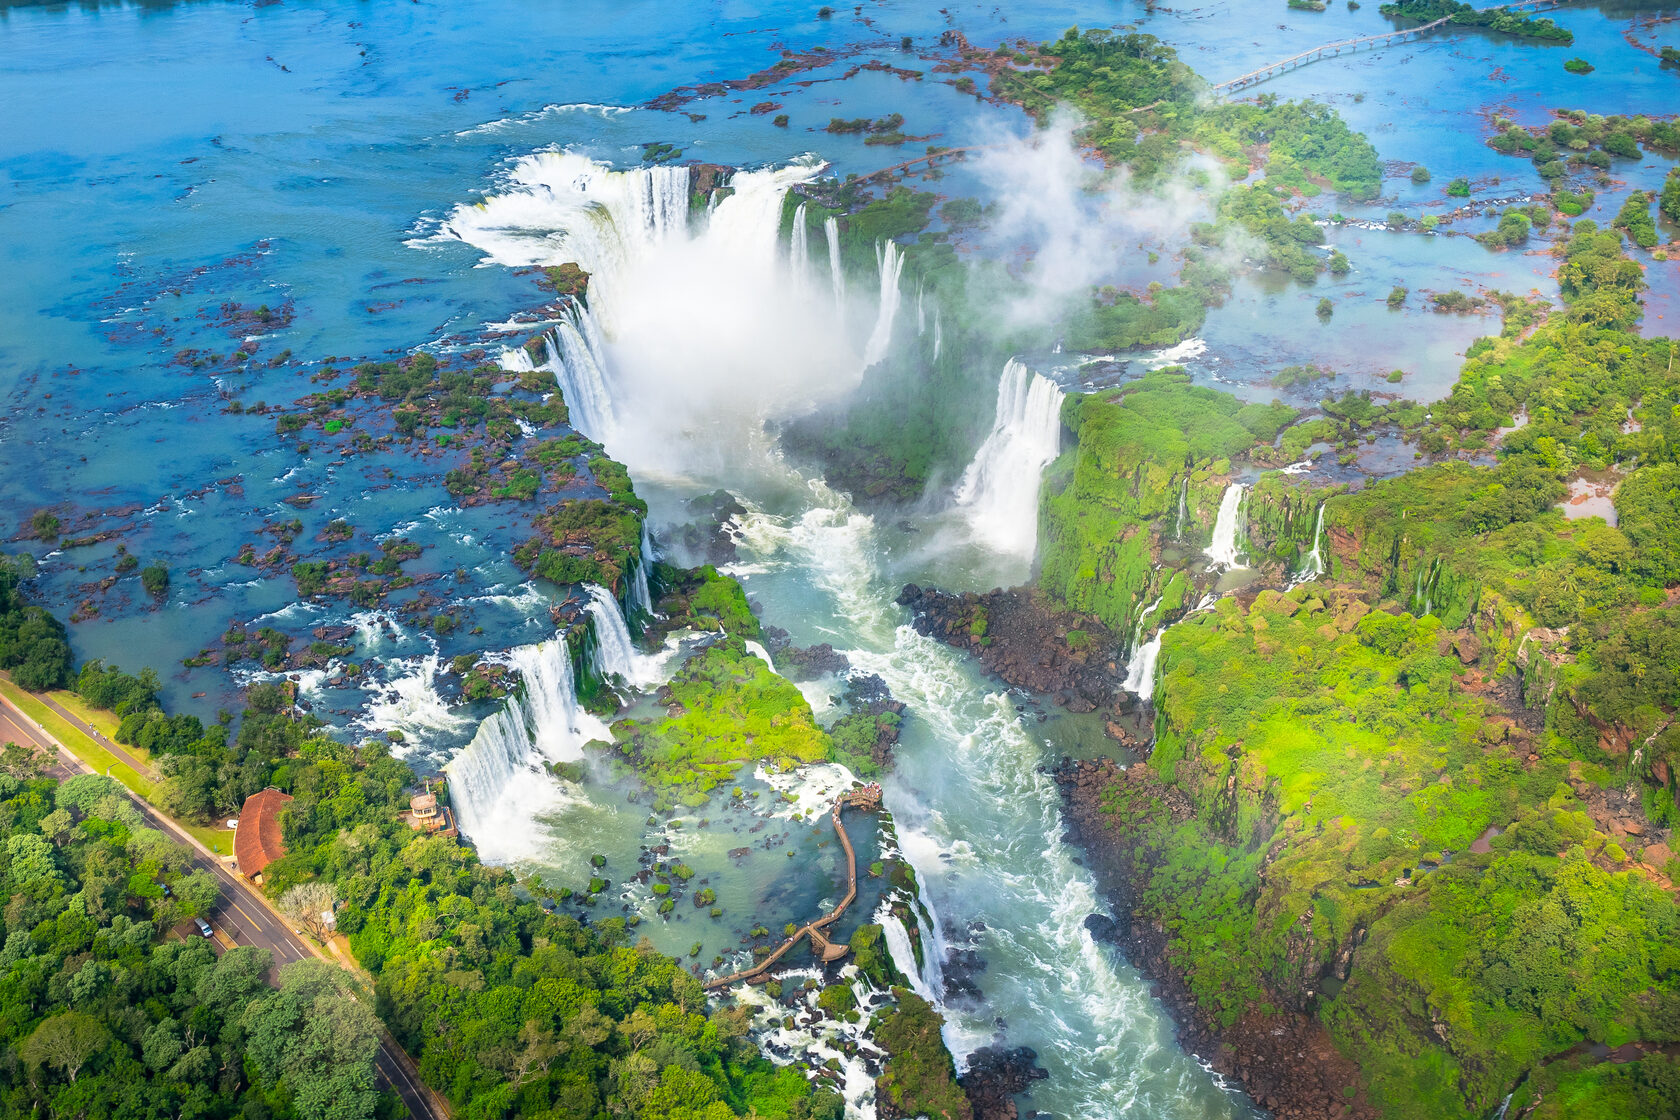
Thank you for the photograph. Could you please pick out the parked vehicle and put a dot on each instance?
(204, 929)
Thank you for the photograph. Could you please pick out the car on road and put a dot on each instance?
(204, 929)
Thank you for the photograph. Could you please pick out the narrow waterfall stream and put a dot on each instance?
(1225, 549)
(977, 815)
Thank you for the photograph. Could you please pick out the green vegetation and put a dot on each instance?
(1519, 24)
(1578, 66)
(1420, 174)
(33, 645)
(1137, 449)
(1577, 141)
(920, 1078)
(102, 1014)
(1669, 203)
(155, 579)
(1635, 218)
(1389, 797)
(732, 710)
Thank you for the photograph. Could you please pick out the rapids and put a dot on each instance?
(976, 814)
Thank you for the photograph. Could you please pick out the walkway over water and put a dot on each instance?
(1330, 50)
(868, 799)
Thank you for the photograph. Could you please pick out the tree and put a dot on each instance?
(65, 1041)
(155, 577)
(317, 1041)
(306, 902)
(22, 762)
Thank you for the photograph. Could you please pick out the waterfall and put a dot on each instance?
(799, 249)
(1183, 507)
(762, 654)
(577, 357)
(903, 954)
(837, 274)
(1225, 551)
(1314, 565)
(615, 653)
(1140, 669)
(891, 264)
(1137, 631)
(496, 781)
(921, 309)
(639, 596)
(999, 489)
(937, 333)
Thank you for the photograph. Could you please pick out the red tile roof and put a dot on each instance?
(257, 841)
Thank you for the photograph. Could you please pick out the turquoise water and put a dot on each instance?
(162, 160)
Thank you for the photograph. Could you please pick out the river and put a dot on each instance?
(163, 159)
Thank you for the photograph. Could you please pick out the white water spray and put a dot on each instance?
(890, 261)
(1225, 550)
(497, 782)
(999, 490)
(799, 248)
(615, 654)
(1140, 669)
(836, 271)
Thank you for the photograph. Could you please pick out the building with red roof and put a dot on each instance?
(258, 841)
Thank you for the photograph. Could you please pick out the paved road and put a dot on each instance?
(97, 736)
(240, 917)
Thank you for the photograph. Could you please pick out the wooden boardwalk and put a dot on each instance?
(867, 798)
(1330, 50)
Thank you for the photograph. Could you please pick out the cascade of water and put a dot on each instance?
(999, 489)
(1313, 567)
(937, 334)
(836, 273)
(1140, 669)
(1142, 619)
(1225, 550)
(640, 596)
(578, 360)
(921, 308)
(891, 264)
(1183, 507)
(762, 654)
(799, 249)
(497, 784)
(615, 653)
(903, 954)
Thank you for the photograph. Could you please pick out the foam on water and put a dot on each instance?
(410, 703)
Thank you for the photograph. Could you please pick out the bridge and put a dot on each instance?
(1331, 50)
(867, 798)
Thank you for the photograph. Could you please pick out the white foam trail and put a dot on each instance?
(999, 490)
(891, 264)
(1183, 507)
(762, 654)
(1225, 550)
(497, 782)
(938, 334)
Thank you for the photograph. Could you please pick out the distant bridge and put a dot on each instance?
(1330, 50)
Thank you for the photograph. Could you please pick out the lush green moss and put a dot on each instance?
(920, 1079)
(728, 709)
